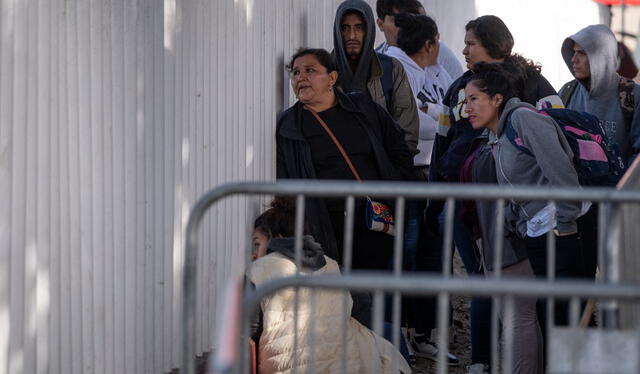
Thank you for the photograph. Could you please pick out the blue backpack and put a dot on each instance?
(593, 158)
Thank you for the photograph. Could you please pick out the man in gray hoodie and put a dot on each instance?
(591, 56)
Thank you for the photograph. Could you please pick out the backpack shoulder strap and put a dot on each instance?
(513, 136)
(627, 100)
(567, 91)
(387, 77)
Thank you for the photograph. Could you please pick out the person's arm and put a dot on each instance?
(405, 110)
(392, 139)
(541, 136)
(281, 165)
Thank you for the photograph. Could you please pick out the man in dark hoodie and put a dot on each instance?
(360, 68)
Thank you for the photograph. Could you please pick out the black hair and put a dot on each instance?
(493, 34)
(498, 78)
(279, 219)
(414, 31)
(324, 58)
(390, 7)
(496, 38)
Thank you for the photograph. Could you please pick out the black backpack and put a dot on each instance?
(593, 157)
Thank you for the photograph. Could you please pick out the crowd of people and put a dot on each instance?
(406, 111)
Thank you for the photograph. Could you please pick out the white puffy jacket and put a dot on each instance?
(320, 327)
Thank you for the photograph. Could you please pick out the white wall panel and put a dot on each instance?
(115, 115)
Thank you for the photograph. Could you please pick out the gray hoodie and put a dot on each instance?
(600, 95)
(551, 166)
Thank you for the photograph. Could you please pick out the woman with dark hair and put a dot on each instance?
(320, 319)
(492, 104)
(373, 142)
(487, 39)
(417, 50)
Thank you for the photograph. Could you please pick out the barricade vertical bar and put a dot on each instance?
(602, 239)
(448, 237)
(612, 264)
(347, 257)
(244, 353)
(574, 314)
(298, 260)
(378, 312)
(499, 248)
(443, 298)
(347, 252)
(311, 331)
(551, 275)
(443, 331)
(299, 232)
(397, 269)
(497, 274)
(508, 335)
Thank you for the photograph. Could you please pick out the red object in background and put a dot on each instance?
(627, 67)
(618, 2)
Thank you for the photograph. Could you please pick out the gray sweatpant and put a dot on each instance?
(527, 337)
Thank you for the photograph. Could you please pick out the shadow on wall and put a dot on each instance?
(281, 86)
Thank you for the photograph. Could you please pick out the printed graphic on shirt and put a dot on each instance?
(551, 101)
(459, 109)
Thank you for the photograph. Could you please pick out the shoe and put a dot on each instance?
(478, 368)
(428, 349)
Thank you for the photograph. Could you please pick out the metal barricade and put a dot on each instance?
(611, 290)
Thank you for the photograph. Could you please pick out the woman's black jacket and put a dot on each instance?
(393, 158)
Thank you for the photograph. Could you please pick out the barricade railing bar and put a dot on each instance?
(397, 282)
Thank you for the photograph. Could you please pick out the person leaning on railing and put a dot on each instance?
(492, 104)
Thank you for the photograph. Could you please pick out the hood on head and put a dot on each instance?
(354, 81)
(600, 45)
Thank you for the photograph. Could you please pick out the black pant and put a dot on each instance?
(588, 228)
(569, 264)
(428, 259)
(371, 250)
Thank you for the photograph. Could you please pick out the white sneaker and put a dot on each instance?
(478, 369)
(429, 350)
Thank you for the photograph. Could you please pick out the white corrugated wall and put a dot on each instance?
(115, 115)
